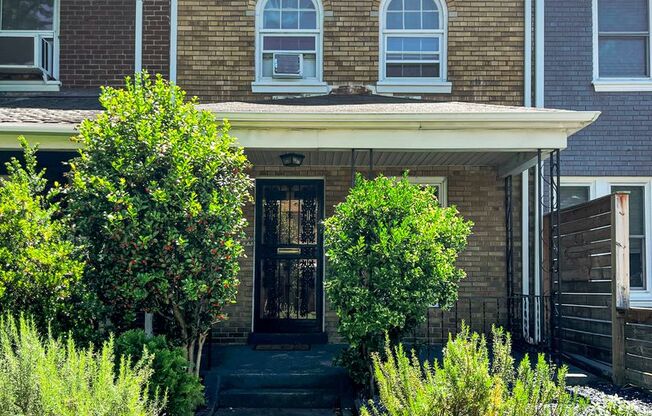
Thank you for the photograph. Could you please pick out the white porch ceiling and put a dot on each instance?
(387, 158)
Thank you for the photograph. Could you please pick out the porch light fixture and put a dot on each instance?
(292, 159)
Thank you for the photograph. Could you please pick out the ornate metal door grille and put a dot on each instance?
(288, 295)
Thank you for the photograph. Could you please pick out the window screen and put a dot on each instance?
(623, 38)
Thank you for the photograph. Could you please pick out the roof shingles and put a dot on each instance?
(71, 110)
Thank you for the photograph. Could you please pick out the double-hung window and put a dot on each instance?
(289, 47)
(413, 46)
(28, 43)
(621, 42)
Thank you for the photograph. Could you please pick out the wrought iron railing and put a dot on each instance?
(526, 317)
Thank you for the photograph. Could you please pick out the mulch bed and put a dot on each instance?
(601, 394)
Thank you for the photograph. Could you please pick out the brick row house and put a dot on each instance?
(316, 90)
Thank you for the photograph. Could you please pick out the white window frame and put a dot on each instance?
(38, 86)
(611, 84)
(439, 182)
(438, 85)
(299, 86)
(601, 186)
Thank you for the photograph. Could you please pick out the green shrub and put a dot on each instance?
(40, 266)
(391, 252)
(468, 384)
(184, 390)
(156, 195)
(51, 378)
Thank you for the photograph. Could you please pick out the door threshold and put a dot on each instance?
(308, 338)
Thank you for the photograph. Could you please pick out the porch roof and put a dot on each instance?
(502, 136)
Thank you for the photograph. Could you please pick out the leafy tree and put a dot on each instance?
(157, 195)
(40, 266)
(391, 251)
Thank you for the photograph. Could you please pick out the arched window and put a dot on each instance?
(413, 45)
(289, 46)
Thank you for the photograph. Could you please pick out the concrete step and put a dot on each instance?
(283, 380)
(274, 412)
(278, 398)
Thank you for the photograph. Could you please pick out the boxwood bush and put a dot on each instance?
(391, 252)
(183, 389)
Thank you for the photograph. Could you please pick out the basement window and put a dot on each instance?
(29, 45)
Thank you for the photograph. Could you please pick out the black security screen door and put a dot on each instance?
(289, 256)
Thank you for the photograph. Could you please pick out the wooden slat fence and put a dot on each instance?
(585, 271)
(638, 347)
(597, 324)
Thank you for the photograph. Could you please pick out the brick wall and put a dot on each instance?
(97, 41)
(156, 36)
(619, 143)
(485, 52)
(479, 196)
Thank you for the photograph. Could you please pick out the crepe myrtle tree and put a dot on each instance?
(156, 196)
(391, 252)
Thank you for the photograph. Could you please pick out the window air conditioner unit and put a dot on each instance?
(288, 65)
(32, 53)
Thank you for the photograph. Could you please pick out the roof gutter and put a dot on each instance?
(567, 121)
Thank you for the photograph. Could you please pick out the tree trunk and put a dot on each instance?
(191, 356)
(149, 324)
(200, 348)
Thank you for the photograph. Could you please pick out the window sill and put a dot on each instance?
(282, 87)
(639, 298)
(439, 87)
(625, 85)
(30, 86)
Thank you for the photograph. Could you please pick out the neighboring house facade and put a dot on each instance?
(53, 45)
(598, 57)
(431, 86)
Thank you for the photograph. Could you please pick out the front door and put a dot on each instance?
(288, 256)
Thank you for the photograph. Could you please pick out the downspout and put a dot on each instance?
(138, 59)
(525, 179)
(539, 76)
(138, 67)
(173, 40)
(539, 17)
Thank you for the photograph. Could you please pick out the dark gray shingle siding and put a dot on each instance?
(620, 142)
